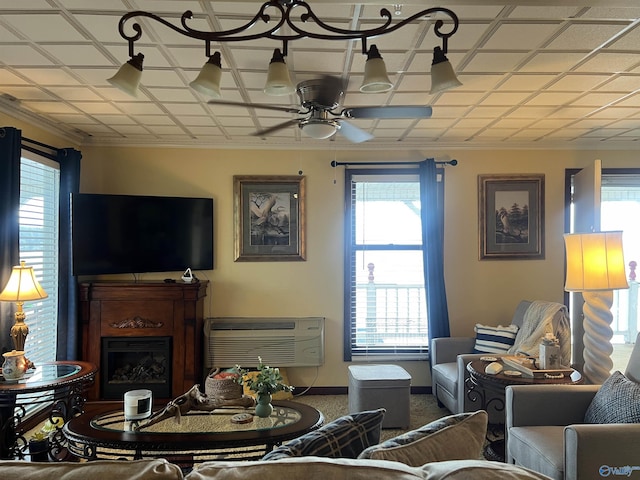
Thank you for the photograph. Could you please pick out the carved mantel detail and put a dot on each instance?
(136, 322)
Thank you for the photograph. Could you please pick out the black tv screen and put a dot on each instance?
(140, 234)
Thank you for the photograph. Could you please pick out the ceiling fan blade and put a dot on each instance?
(393, 111)
(255, 105)
(275, 128)
(352, 133)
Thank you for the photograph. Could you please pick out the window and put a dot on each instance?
(39, 201)
(385, 304)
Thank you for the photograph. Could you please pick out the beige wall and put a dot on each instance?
(478, 291)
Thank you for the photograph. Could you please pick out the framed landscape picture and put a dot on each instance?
(511, 216)
(269, 216)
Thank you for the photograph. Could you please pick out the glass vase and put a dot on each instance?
(263, 405)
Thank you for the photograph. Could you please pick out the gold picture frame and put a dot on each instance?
(511, 216)
(269, 217)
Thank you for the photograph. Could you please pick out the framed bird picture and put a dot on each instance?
(269, 216)
(511, 216)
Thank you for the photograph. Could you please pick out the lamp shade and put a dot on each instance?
(22, 285)
(595, 261)
(127, 78)
(208, 80)
(278, 79)
(375, 78)
(442, 75)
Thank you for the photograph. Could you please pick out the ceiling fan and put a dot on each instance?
(320, 117)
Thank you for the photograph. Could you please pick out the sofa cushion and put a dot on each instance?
(491, 339)
(158, 469)
(455, 437)
(345, 437)
(307, 468)
(316, 468)
(617, 401)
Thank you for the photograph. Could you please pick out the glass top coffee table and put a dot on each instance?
(102, 433)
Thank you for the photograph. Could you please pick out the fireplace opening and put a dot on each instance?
(136, 362)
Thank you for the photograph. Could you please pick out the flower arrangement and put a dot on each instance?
(268, 380)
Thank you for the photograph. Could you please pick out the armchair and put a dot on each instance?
(546, 432)
(450, 356)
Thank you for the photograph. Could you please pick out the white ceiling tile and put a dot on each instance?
(48, 76)
(23, 55)
(140, 108)
(577, 82)
(608, 62)
(173, 94)
(96, 107)
(526, 82)
(77, 55)
(28, 93)
(623, 83)
(547, 12)
(459, 98)
(494, 62)
(505, 98)
(45, 27)
(520, 36)
(584, 37)
(72, 94)
(596, 99)
(548, 62)
(491, 112)
(49, 107)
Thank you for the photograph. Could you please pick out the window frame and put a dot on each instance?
(350, 250)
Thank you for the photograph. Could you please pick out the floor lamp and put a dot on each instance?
(595, 267)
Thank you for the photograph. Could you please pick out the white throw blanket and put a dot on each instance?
(538, 320)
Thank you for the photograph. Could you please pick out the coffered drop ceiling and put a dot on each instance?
(535, 74)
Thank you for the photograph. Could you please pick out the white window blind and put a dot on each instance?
(386, 294)
(39, 221)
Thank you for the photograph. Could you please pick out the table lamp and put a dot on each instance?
(595, 267)
(22, 286)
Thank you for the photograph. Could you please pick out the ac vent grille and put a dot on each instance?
(282, 342)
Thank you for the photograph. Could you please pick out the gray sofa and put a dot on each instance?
(546, 429)
(307, 468)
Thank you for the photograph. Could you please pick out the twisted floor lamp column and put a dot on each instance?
(597, 335)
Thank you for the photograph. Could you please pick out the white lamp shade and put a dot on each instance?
(22, 285)
(375, 78)
(443, 77)
(319, 130)
(595, 261)
(208, 80)
(128, 76)
(278, 79)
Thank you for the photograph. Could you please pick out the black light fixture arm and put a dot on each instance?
(285, 9)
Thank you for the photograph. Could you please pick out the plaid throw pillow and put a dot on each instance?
(617, 401)
(494, 339)
(345, 437)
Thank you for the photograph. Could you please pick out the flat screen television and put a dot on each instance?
(139, 234)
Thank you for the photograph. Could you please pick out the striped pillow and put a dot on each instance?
(494, 339)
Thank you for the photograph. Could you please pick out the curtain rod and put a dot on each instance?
(334, 164)
(51, 155)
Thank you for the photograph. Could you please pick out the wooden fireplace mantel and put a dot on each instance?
(141, 309)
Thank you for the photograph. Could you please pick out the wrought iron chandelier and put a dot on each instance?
(278, 80)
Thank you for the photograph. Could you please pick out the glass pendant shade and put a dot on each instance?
(208, 80)
(442, 75)
(375, 78)
(319, 130)
(127, 78)
(278, 79)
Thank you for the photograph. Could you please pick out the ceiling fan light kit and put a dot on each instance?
(319, 116)
(208, 80)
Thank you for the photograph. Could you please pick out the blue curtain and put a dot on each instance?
(69, 160)
(432, 211)
(68, 325)
(10, 139)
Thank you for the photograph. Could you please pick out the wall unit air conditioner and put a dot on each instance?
(281, 342)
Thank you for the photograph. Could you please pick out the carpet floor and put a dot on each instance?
(424, 409)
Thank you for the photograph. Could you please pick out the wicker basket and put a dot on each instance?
(224, 388)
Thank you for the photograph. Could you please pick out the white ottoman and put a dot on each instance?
(381, 386)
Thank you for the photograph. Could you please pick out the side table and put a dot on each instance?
(489, 390)
(57, 386)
